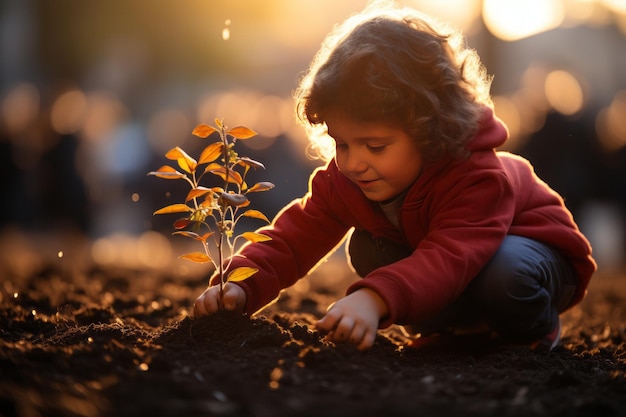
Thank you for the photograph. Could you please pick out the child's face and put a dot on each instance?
(382, 160)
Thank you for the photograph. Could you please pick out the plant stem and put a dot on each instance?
(222, 226)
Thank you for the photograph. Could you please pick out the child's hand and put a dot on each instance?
(354, 318)
(234, 299)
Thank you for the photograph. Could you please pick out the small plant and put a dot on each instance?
(225, 204)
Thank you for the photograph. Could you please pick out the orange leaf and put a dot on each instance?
(203, 131)
(261, 186)
(211, 153)
(255, 237)
(241, 273)
(198, 257)
(220, 171)
(174, 208)
(241, 132)
(197, 192)
(250, 162)
(167, 172)
(182, 223)
(255, 214)
(193, 235)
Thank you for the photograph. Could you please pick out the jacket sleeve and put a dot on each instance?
(467, 220)
(302, 235)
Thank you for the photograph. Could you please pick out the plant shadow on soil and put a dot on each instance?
(120, 343)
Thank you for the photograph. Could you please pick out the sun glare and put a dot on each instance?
(512, 20)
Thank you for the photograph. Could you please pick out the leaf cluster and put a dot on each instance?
(211, 212)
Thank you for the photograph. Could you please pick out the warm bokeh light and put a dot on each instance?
(511, 20)
(462, 14)
(149, 250)
(618, 6)
(168, 128)
(563, 92)
(68, 112)
(506, 110)
(611, 123)
(103, 114)
(20, 107)
(269, 115)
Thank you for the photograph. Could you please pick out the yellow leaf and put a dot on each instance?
(255, 214)
(255, 237)
(241, 273)
(211, 153)
(218, 122)
(241, 132)
(203, 131)
(198, 257)
(167, 172)
(186, 162)
(174, 208)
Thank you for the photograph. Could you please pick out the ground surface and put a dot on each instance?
(95, 341)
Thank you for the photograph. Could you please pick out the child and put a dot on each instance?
(447, 232)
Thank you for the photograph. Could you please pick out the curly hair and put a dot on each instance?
(398, 67)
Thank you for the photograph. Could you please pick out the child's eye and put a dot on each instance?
(376, 149)
(341, 146)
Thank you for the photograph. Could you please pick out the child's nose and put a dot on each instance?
(355, 163)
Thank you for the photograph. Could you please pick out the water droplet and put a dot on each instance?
(226, 30)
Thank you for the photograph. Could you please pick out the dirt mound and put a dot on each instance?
(121, 343)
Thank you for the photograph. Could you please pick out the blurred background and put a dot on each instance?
(92, 94)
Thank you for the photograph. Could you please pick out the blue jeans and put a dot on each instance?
(519, 293)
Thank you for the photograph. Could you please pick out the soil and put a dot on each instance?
(95, 341)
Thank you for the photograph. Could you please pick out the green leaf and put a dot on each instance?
(255, 237)
(174, 208)
(241, 132)
(167, 172)
(255, 214)
(241, 273)
(198, 257)
(203, 131)
(211, 153)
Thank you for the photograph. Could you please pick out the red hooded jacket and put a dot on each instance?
(455, 216)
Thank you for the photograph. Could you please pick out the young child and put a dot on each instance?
(447, 232)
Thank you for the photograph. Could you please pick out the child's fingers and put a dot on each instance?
(367, 341)
(329, 321)
(206, 303)
(233, 298)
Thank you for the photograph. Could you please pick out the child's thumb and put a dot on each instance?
(230, 299)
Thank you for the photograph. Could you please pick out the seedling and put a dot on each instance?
(211, 213)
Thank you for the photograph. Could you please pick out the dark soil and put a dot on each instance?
(104, 342)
